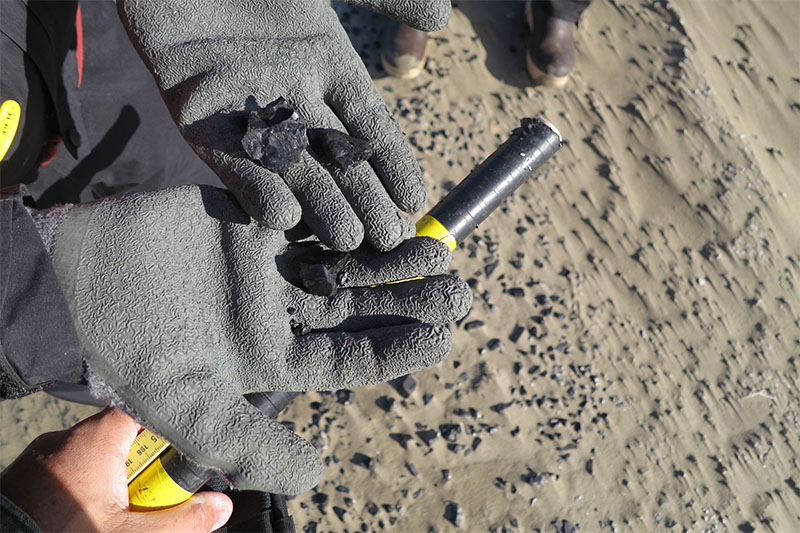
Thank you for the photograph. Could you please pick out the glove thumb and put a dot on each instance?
(425, 15)
(203, 512)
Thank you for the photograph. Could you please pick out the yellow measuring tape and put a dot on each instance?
(146, 448)
(10, 114)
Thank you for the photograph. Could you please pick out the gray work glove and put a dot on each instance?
(209, 56)
(183, 304)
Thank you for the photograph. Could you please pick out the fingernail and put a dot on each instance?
(223, 507)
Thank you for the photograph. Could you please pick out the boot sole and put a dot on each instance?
(538, 76)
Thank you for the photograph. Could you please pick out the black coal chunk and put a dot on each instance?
(563, 526)
(428, 436)
(386, 403)
(405, 385)
(345, 396)
(320, 498)
(500, 407)
(453, 513)
(339, 149)
(402, 438)
(321, 271)
(275, 136)
(450, 432)
(473, 324)
(364, 461)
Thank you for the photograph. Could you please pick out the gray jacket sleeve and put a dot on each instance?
(38, 342)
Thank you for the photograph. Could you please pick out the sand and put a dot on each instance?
(631, 359)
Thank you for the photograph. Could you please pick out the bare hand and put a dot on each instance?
(75, 480)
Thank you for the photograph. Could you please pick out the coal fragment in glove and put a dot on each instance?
(339, 149)
(275, 136)
(321, 271)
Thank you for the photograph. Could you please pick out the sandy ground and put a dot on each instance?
(631, 359)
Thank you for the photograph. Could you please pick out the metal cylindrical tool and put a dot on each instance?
(159, 476)
(480, 193)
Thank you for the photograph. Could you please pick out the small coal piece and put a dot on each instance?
(345, 397)
(563, 526)
(364, 461)
(339, 149)
(428, 436)
(402, 438)
(275, 136)
(386, 403)
(450, 432)
(453, 513)
(405, 385)
(320, 271)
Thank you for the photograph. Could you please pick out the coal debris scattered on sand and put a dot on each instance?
(339, 149)
(321, 271)
(275, 136)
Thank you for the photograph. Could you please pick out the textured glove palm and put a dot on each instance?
(209, 57)
(184, 304)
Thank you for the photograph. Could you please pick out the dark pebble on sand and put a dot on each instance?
(320, 499)
(407, 385)
(453, 513)
(473, 324)
(386, 403)
(428, 436)
(345, 397)
(500, 407)
(364, 461)
(401, 438)
(564, 527)
(341, 513)
(450, 432)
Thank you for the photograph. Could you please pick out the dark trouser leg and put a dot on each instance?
(569, 10)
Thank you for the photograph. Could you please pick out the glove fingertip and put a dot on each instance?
(435, 254)
(460, 297)
(388, 236)
(344, 239)
(436, 17)
(278, 219)
(439, 341)
(413, 198)
(305, 473)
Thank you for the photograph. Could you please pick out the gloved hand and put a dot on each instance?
(208, 57)
(184, 304)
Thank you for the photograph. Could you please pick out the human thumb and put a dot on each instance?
(425, 15)
(203, 512)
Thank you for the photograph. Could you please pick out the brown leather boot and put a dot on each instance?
(550, 53)
(403, 50)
